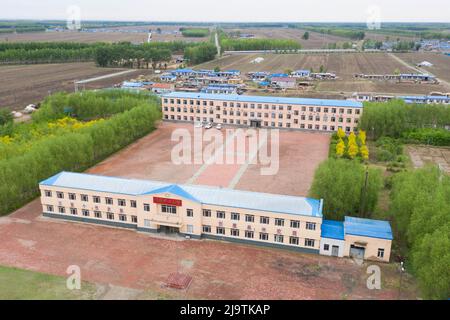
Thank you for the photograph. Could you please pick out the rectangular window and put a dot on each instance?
(293, 240)
(72, 196)
(60, 195)
(168, 209)
(279, 222)
(84, 198)
(326, 247)
(109, 201)
(122, 217)
(189, 212)
(264, 220)
(97, 214)
(121, 202)
(309, 242)
(234, 232)
(146, 207)
(380, 253)
(220, 214)
(310, 226)
(295, 224)
(133, 204)
(235, 216)
(134, 219)
(220, 230)
(48, 193)
(147, 223)
(110, 215)
(263, 236)
(73, 211)
(61, 210)
(278, 238)
(85, 213)
(50, 208)
(189, 228)
(207, 229)
(96, 199)
(249, 234)
(206, 213)
(249, 218)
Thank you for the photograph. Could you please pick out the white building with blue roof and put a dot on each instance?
(194, 211)
(263, 111)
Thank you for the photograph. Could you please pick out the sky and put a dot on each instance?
(231, 10)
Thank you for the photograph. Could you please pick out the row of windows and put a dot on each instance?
(95, 199)
(251, 218)
(260, 106)
(262, 235)
(95, 214)
(265, 123)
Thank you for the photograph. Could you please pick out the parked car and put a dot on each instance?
(208, 125)
(198, 125)
(219, 126)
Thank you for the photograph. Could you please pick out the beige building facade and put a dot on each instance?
(195, 212)
(263, 111)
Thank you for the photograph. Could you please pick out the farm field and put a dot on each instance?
(344, 65)
(441, 63)
(24, 84)
(315, 41)
(115, 34)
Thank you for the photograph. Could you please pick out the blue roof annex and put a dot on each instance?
(202, 194)
(367, 228)
(265, 99)
(332, 229)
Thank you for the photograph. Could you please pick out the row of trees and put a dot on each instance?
(396, 117)
(200, 53)
(420, 209)
(73, 150)
(228, 44)
(347, 187)
(351, 146)
(194, 32)
(346, 33)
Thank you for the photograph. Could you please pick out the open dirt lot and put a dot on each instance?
(344, 65)
(135, 34)
(24, 84)
(133, 264)
(150, 158)
(315, 41)
(441, 62)
(422, 155)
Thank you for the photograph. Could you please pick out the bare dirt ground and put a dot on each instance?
(422, 155)
(136, 34)
(128, 263)
(315, 41)
(24, 84)
(150, 158)
(344, 65)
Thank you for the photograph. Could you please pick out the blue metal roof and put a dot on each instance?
(368, 228)
(265, 99)
(203, 194)
(332, 229)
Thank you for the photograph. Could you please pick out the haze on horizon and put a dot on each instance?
(231, 10)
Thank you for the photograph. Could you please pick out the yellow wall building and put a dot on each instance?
(263, 111)
(195, 211)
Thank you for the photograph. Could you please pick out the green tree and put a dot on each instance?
(305, 36)
(6, 116)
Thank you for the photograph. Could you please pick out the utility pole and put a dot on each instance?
(402, 269)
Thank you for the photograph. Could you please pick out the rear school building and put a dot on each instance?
(209, 212)
(262, 111)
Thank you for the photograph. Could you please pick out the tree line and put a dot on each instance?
(396, 118)
(194, 32)
(345, 33)
(228, 44)
(420, 210)
(46, 151)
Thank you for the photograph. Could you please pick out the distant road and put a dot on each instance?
(217, 43)
(112, 75)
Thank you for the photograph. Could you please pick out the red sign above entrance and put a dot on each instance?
(170, 202)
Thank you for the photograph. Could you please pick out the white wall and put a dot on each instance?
(331, 243)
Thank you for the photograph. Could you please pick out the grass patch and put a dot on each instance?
(19, 284)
